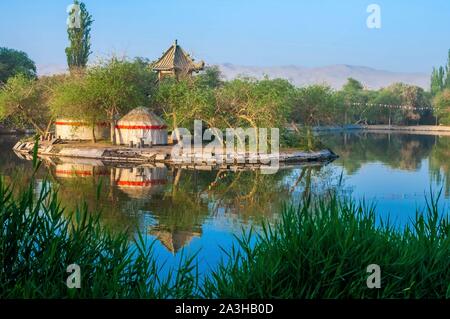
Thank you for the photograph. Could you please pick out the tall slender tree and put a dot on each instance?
(447, 73)
(79, 36)
(440, 78)
(437, 80)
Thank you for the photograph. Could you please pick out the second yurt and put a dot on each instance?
(80, 167)
(141, 126)
(68, 129)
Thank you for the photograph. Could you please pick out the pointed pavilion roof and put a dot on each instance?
(176, 239)
(175, 58)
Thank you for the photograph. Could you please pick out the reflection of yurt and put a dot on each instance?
(141, 124)
(141, 182)
(81, 168)
(174, 240)
(78, 130)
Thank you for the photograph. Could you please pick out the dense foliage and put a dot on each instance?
(322, 249)
(13, 62)
(440, 78)
(109, 89)
(442, 105)
(23, 102)
(104, 91)
(440, 89)
(319, 250)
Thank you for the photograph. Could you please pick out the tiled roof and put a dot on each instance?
(175, 58)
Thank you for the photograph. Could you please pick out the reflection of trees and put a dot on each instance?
(90, 184)
(14, 169)
(440, 163)
(400, 151)
(179, 211)
(247, 193)
(170, 203)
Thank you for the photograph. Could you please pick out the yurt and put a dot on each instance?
(141, 126)
(74, 167)
(68, 129)
(141, 182)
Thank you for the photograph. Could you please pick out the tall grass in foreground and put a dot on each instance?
(318, 250)
(322, 249)
(38, 242)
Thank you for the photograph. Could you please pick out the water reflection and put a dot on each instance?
(395, 171)
(440, 163)
(406, 152)
(399, 151)
(202, 209)
(168, 203)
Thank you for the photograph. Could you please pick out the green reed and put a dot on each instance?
(320, 249)
(38, 241)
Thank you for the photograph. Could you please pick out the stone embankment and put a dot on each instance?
(164, 154)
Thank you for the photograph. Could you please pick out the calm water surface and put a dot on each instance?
(200, 211)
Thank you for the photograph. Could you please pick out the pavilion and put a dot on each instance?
(177, 63)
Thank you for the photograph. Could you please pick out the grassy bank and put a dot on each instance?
(318, 250)
(322, 250)
(39, 241)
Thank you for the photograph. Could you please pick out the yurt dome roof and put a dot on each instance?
(142, 114)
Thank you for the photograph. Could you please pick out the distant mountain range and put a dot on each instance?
(333, 75)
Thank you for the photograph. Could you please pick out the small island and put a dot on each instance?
(88, 128)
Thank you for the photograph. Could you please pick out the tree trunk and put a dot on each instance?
(94, 139)
(47, 129)
(32, 122)
(113, 130)
(175, 127)
(309, 138)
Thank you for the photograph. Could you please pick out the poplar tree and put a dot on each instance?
(79, 37)
(440, 78)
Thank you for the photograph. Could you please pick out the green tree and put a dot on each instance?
(314, 105)
(80, 39)
(119, 85)
(352, 85)
(23, 101)
(250, 103)
(353, 102)
(440, 78)
(185, 100)
(378, 114)
(437, 80)
(447, 73)
(72, 98)
(442, 106)
(211, 77)
(413, 97)
(13, 62)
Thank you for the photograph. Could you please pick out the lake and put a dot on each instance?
(189, 211)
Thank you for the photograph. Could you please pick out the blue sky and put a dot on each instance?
(414, 36)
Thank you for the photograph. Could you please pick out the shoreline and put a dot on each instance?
(414, 129)
(163, 154)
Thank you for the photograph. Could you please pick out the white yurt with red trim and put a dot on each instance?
(143, 124)
(69, 129)
(141, 182)
(74, 167)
